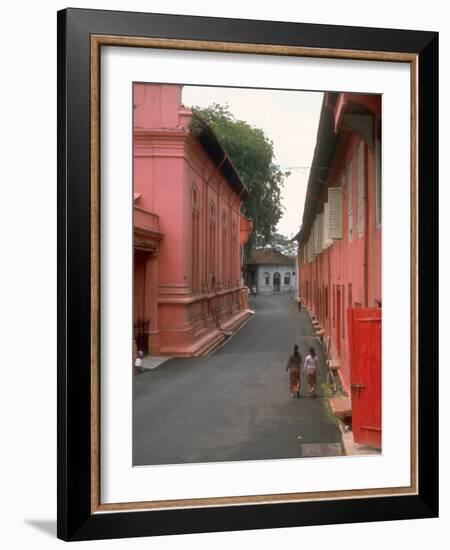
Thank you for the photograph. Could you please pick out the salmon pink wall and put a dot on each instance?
(339, 271)
(198, 291)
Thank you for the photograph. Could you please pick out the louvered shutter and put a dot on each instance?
(360, 188)
(318, 234)
(326, 241)
(310, 246)
(335, 213)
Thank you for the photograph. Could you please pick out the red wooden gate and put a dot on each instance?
(364, 331)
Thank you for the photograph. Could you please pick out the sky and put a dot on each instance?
(289, 119)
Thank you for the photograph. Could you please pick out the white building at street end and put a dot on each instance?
(271, 272)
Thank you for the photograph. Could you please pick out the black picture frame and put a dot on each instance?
(76, 521)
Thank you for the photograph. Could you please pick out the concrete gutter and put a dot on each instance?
(341, 407)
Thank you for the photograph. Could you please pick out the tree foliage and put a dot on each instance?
(284, 244)
(251, 152)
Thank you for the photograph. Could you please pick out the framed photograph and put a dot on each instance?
(247, 256)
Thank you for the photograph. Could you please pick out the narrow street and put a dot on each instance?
(236, 403)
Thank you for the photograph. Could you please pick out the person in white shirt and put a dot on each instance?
(310, 368)
(138, 361)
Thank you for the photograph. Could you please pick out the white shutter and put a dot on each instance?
(320, 222)
(326, 215)
(335, 213)
(360, 188)
(310, 245)
(318, 234)
(326, 241)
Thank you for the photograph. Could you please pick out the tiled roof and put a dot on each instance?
(269, 256)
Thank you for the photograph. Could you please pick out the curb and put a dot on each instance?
(228, 335)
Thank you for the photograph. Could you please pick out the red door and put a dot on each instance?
(364, 332)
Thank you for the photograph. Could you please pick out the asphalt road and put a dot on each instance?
(236, 403)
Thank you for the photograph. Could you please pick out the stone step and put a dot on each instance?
(341, 406)
(354, 449)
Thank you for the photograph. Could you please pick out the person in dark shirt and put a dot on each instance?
(293, 366)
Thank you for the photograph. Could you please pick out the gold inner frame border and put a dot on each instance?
(97, 41)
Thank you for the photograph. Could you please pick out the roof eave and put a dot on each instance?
(211, 143)
(326, 143)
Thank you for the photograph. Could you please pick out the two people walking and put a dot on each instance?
(310, 368)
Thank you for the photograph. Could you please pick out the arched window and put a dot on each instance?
(266, 278)
(234, 255)
(195, 200)
(212, 238)
(224, 251)
(195, 229)
(287, 279)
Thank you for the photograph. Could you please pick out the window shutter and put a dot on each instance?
(310, 245)
(360, 188)
(326, 241)
(318, 231)
(335, 213)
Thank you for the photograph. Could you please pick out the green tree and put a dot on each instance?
(251, 151)
(284, 244)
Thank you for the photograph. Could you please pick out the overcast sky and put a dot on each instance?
(289, 119)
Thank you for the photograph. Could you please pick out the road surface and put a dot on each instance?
(235, 404)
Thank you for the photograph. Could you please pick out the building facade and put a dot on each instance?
(188, 229)
(340, 238)
(271, 272)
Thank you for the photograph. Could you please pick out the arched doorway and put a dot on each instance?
(276, 282)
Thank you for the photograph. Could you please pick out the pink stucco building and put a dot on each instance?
(340, 237)
(188, 229)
